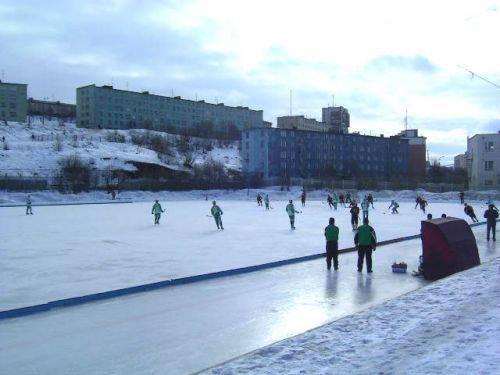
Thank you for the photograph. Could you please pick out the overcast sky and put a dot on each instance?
(377, 57)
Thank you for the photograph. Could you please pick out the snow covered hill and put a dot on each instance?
(36, 148)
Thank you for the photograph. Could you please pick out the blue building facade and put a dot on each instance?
(283, 153)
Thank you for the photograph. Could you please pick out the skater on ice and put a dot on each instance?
(259, 200)
(491, 216)
(348, 198)
(418, 199)
(266, 201)
(157, 211)
(335, 201)
(462, 197)
(341, 199)
(217, 215)
(303, 198)
(332, 245)
(329, 199)
(469, 211)
(423, 204)
(366, 242)
(370, 199)
(354, 216)
(394, 205)
(291, 211)
(365, 206)
(29, 210)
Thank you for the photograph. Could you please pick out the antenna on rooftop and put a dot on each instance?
(126, 85)
(333, 100)
(406, 120)
(290, 102)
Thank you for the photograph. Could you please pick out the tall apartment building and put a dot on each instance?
(51, 108)
(337, 119)
(13, 101)
(283, 153)
(301, 123)
(106, 107)
(483, 161)
(416, 153)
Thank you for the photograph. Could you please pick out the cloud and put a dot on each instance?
(416, 63)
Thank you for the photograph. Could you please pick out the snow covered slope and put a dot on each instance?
(35, 149)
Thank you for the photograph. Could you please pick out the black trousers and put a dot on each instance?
(332, 252)
(491, 226)
(365, 251)
(354, 220)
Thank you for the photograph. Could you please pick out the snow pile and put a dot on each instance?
(450, 326)
(35, 149)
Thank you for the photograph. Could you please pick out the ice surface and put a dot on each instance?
(187, 328)
(68, 251)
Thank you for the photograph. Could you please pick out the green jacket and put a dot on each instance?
(366, 236)
(216, 211)
(365, 205)
(332, 232)
(156, 209)
(290, 210)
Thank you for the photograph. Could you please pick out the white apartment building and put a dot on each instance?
(301, 123)
(483, 161)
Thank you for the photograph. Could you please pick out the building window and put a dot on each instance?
(488, 165)
(489, 146)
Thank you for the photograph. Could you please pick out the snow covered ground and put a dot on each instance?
(448, 327)
(39, 156)
(67, 251)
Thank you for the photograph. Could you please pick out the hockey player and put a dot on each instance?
(332, 245)
(462, 197)
(157, 211)
(366, 242)
(266, 201)
(423, 204)
(341, 199)
(370, 199)
(418, 199)
(469, 211)
(329, 199)
(217, 213)
(394, 205)
(354, 216)
(29, 210)
(335, 201)
(365, 206)
(348, 198)
(491, 216)
(259, 200)
(290, 210)
(303, 198)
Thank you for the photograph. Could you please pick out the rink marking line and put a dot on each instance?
(76, 301)
(62, 204)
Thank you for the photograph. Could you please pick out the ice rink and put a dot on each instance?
(188, 328)
(68, 251)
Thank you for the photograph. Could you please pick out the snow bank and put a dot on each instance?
(450, 326)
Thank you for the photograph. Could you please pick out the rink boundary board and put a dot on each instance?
(75, 301)
(63, 204)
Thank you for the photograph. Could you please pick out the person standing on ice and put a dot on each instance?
(217, 213)
(417, 201)
(370, 199)
(303, 198)
(335, 201)
(348, 198)
(29, 210)
(354, 216)
(423, 204)
(329, 199)
(462, 197)
(491, 216)
(266, 201)
(332, 245)
(366, 242)
(157, 211)
(291, 211)
(394, 205)
(469, 211)
(259, 200)
(365, 206)
(341, 199)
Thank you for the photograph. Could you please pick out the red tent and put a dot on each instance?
(449, 246)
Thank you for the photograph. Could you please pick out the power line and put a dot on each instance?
(478, 76)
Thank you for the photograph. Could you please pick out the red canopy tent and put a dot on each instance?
(449, 246)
